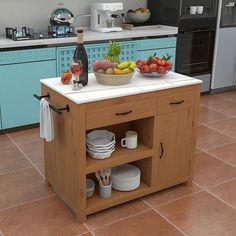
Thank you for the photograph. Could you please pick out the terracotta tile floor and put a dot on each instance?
(29, 208)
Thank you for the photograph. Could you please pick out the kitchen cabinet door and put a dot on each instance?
(174, 132)
(18, 84)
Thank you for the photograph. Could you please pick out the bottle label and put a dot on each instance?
(80, 38)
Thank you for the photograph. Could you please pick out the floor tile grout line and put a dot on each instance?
(179, 198)
(217, 146)
(90, 230)
(121, 219)
(170, 222)
(226, 114)
(212, 122)
(28, 202)
(214, 156)
(223, 182)
(214, 195)
(15, 171)
(26, 157)
(219, 132)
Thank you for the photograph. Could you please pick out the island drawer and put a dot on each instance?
(175, 102)
(120, 113)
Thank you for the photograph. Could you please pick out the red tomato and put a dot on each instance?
(155, 60)
(153, 67)
(140, 63)
(161, 70)
(144, 69)
(168, 65)
(161, 62)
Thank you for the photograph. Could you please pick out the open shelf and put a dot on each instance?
(119, 156)
(97, 203)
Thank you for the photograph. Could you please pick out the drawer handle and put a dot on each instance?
(162, 150)
(177, 103)
(124, 113)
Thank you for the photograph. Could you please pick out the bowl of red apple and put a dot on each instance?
(154, 66)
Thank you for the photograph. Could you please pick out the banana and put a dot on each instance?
(123, 65)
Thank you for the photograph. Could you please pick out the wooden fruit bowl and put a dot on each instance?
(113, 80)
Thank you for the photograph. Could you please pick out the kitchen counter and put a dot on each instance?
(92, 36)
(139, 84)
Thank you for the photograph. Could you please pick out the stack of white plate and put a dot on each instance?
(100, 144)
(125, 177)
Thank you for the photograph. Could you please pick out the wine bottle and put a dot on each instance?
(80, 56)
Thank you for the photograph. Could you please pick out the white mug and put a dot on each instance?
(200, 9)
(131, 140)
(193, 10)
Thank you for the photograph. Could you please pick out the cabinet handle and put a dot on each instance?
(162, 150)
(177, 103)
(124, 113)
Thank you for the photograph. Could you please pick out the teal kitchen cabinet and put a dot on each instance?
(95, 52)
(20, 74)
(160, 46)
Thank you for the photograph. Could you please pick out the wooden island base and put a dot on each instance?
(166, 123)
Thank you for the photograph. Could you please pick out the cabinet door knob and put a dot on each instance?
(162, 150)
(124, 113)
(177, 103)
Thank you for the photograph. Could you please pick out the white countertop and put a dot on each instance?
(96, 92)
(90, 36)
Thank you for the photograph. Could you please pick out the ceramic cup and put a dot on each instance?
(105, 191)
(200, 9)
(193, 10)
(131, 140)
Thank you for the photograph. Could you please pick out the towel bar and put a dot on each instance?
(57, 110)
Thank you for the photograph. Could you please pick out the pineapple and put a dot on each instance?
(113, 53)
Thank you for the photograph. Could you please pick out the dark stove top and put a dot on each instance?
(29, 33)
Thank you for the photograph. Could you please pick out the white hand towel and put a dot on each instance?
(46, 121)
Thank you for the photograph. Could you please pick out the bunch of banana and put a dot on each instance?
(125, 67)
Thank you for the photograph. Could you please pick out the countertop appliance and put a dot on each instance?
(196, 34)
(62, 16)
(224, 69)
(102, 16)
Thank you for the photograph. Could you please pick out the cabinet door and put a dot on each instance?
(174, 132)
(18, 84)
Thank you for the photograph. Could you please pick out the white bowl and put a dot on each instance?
(102, 147)
(100, 138)
(101, 150)
(90, 187)
(99, 155)
(125, 177)
(139, 17)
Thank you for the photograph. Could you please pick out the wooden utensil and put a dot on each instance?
(108, 175)
(99, 178)
(103, 177)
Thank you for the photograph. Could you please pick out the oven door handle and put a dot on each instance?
(195, 31)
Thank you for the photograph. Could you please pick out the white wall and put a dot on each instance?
(35, 13)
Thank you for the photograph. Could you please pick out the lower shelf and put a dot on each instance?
(96, 203)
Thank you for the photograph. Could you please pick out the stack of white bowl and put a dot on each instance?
(100, 144)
